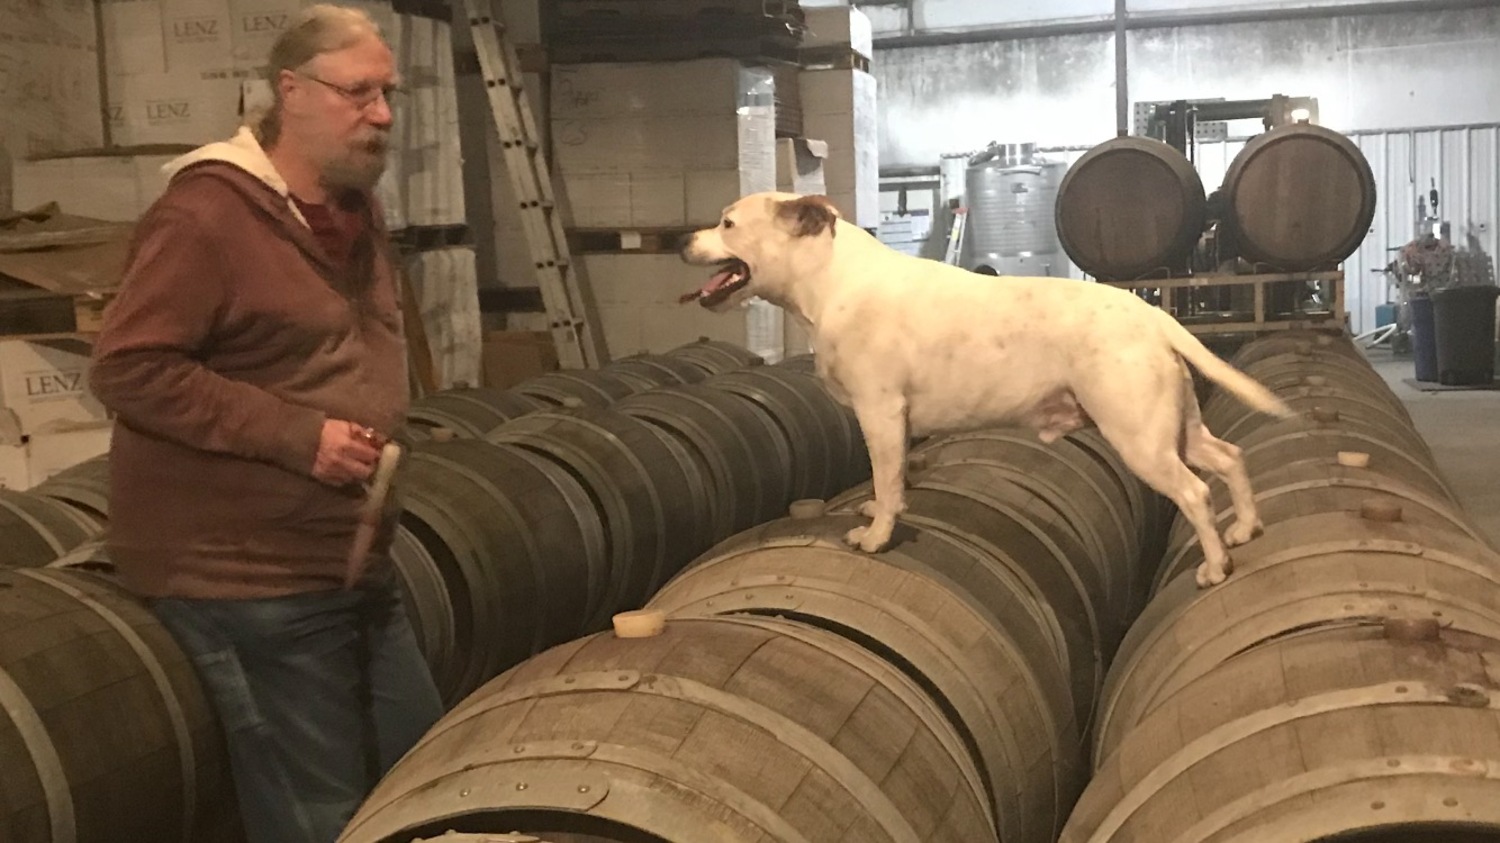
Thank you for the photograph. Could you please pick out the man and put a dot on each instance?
(255, 362)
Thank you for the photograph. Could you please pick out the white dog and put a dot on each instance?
(918, 347)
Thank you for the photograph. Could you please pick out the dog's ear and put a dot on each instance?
(809, 216)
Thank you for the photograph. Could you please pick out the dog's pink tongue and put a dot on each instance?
(720, 279)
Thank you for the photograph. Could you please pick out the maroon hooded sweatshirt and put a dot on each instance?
(234, 336)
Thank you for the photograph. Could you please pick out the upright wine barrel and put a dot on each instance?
(1130, 207)
(520, 547)
(962, 625)
(105, 731)
(724, 729)
(716, 357)
(654, 511)
(472, 411)
(1377, 733)
(1299, 197)
(745, 457)
(36, 529)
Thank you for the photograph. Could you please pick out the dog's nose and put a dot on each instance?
(684, 241)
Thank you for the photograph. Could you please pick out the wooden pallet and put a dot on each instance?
(685, 49)
(1253, 297)
(32, 313)
(638, 241)
(57, 273)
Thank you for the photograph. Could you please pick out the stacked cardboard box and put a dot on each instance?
(839, 106)
(48, 419)
(663, 145)
(118, 188)
(49, 83)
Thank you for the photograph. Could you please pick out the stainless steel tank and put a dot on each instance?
(1011, 194)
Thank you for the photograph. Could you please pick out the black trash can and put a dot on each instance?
(1463, 320)
(1423, 340)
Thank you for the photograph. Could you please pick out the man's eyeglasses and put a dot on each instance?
(361, 96)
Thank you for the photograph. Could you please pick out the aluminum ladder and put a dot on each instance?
(579, 340)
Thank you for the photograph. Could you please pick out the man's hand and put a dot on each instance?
(347, 453)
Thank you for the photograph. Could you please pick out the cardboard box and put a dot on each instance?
(27, 464)
(118, 188)
(839, 26)
(511, 357)
(799, 166)
(44, 387)
(665, 144)
(49, 82)
(839, 106)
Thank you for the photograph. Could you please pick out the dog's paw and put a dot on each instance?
(867, 539)
(1210, 575)
(1242, 531)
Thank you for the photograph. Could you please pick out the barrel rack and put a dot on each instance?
(1262, 317)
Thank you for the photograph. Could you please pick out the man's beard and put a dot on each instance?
(359, 166)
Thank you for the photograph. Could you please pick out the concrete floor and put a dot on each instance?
(1463, 430)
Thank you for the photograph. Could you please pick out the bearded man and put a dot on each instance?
(255, 362)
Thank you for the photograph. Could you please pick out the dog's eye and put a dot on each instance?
(729, 223)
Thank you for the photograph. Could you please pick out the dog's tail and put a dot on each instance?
(1252, 392)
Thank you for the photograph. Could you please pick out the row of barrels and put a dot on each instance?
(509, 542)
(795, 689)
(1344, 682)
(1297, 198)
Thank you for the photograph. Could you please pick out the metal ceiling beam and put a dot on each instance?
(1171, 20)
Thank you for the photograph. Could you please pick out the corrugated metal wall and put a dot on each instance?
(1463, 162)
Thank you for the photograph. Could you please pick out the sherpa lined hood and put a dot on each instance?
(242, 151)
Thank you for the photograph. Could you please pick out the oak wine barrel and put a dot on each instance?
(726, 729)
(85, 486)
(964, 627)
(520, 548)
(1375, 732)
(1030, 541)
(471, 411)
(655, 513)
(716, 357)
(745, 458)
(1130, 207)
(36, 529)
(1317, 569)
(590, 387)
(1299, 197)
(105, 730)
(648, 371)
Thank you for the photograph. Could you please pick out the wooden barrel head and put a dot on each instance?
(1299, 197)
(1130, 207)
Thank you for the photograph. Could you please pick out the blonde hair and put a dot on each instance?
(321, 28)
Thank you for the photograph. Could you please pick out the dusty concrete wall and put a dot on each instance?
(1368, 72)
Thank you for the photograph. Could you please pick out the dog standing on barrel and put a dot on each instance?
(918, 347)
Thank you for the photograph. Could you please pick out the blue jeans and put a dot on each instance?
(318, 694)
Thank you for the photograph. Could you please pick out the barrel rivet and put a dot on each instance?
(583, 788)
(520, 785)
(1380, 511)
